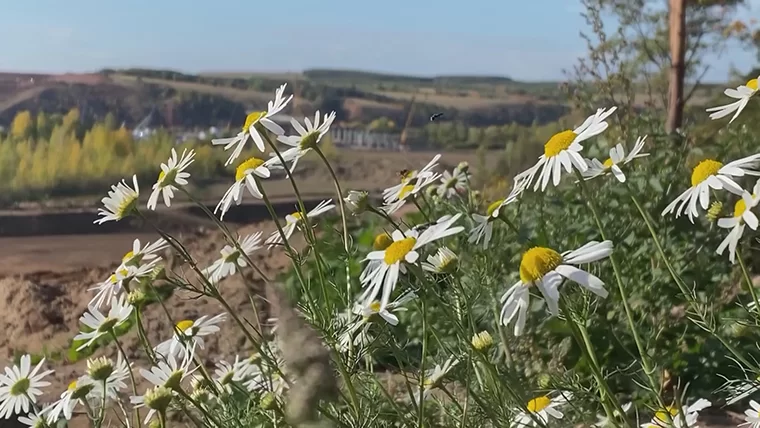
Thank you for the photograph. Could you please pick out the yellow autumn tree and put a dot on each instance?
(21, 126)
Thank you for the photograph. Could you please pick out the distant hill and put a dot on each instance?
(189, 100)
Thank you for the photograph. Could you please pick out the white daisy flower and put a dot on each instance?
(434, 377)
(357, 201)
(157, 399)
(563, 151)
(452, 183)
(148, 253)
(172, 175)
(34, 420)
(742, 93)
(192, 332)
(244, 180)
(542, 408)
(240, 372)
(690, 413)
(115, 375)
(232, 258)
(546, 269)
(74, 394)
(412, 183)
(402, 250)
(169, 373)
(20, 386)
(752, 415)
(743, 215)
(444, 261)
(256, 123)
(113, 286)
(617, 158)
(118, 313)
(483, 229)
(369, 311)
(295, 219)
(307, 138)
(711, 174)
(120, 202)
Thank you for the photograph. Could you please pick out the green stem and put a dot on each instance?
(138, 419)
(342, 216)
(200, 407)
(349, 384)
(747, 278)
(645, 362)
(143, 337)
(421, 386)
(162, 419)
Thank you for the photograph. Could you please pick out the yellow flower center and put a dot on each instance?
(253, 119)
(537, 262)
(739, 208)
(406, 175)
(405, 191)
(663, 414)
(184, 325)
(72, 385)
(247, 165)
(493, 207)
(558, 142)
(704, 170)
(297, 215)
(126, 206)
(752, 84)
(130, 259)
(382, 241)
(375, 306)
(608, 163)
(398, 250)
(539, 403)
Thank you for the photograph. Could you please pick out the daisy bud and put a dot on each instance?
(154, 423)
(158, 398)
(268, 401)
(136, 298)
(100, 368)
(482, 341)
(715, 210)
(201, 395)
(358, 201)
(544, 381)
(463, 166)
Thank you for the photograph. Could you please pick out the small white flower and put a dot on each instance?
(34, 420)
(368, 311)
(752, 415)
(444, 261)
(256, 123)
(192, 336)
(169, 373)
(542, 408)
(307, 138)
(690, 413)
(295, 220)
(402, 250)
(562, 151)
(742, 93)
(244, 180)
(112, 287)
(232, 258)
(118, 313)
(483, 229)
(357, 201)
(711, 174)
(434, 377)
(546, 269)
(452, 183)
(616, 159)
(120, 202)
(743, 215)
(74, 394)
(172, 175)
(412, 183)
(20, 386)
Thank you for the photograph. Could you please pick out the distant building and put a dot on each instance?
(363, 139)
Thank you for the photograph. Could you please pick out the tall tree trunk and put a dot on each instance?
(677, 65)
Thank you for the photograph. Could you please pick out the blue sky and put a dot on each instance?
(523, 39)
